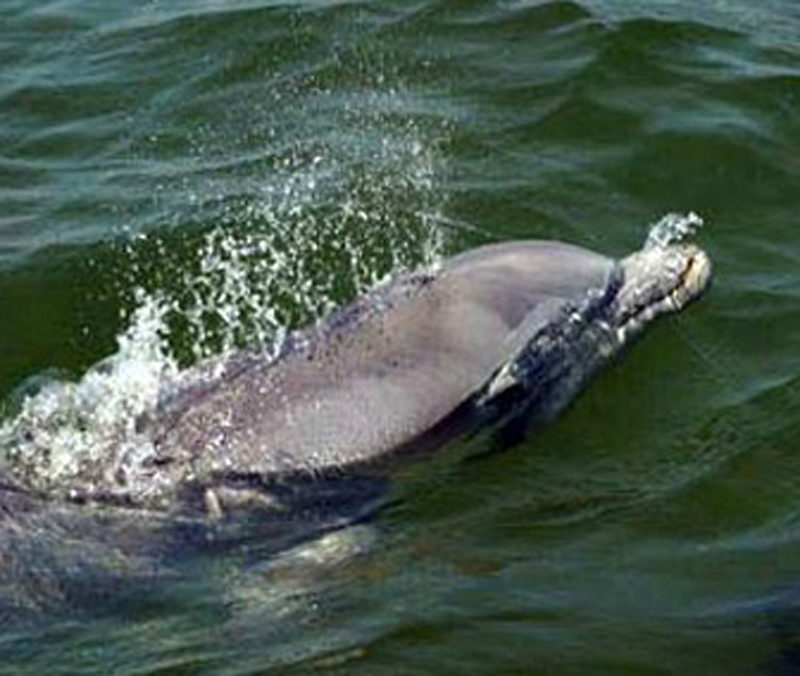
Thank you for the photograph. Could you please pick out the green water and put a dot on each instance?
(251, 164)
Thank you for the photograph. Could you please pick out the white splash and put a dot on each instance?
(673, 228)
(88, 428)
(317, 231)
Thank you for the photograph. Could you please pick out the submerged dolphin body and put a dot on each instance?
(504, 332)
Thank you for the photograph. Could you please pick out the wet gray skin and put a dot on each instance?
(299, 444)
(505, 329)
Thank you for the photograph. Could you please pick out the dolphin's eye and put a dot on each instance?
(159, 461)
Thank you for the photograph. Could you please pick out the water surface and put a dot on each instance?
(243, 167)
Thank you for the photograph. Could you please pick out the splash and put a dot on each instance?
(88, 429)
(673, 228)
(326, 223)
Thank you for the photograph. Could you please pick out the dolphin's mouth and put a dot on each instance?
(657, 281)
(694, 278)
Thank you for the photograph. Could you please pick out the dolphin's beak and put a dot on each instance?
(659, 280)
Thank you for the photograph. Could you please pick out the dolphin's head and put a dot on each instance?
(658, 280)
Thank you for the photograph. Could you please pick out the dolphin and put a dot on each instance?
(503, 333)
(504, 330)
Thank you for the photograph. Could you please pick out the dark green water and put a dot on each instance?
(249, 164)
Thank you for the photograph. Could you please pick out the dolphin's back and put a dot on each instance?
(379, 373)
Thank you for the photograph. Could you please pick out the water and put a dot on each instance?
(181, 179)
